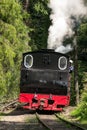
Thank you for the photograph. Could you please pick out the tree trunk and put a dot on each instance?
(76, 70)
(26, 4)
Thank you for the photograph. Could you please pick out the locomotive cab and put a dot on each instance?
(44, 82)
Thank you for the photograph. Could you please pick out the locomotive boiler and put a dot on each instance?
(44, 80)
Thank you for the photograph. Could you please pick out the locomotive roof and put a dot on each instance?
(45, 51)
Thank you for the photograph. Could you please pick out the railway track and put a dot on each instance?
(71, 123)
(54, 122)
(50, 121)
(44, 121)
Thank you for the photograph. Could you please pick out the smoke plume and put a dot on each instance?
(62, 12)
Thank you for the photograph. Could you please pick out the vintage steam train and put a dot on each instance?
(45, 80)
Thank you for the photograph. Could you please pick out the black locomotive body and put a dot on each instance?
(45, 82)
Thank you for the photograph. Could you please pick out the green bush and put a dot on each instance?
(14, 41)
(81, 110)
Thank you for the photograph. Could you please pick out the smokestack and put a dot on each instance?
(62, 12)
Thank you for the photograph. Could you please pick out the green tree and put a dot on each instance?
(39, 13)
(82, 38)
(81, 111)
(13, 42)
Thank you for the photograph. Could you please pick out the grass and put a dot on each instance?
(78, 118)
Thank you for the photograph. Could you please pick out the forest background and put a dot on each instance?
(24, 27)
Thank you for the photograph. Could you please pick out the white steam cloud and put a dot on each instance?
(62, 22)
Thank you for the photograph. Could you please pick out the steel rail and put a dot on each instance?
(57, 125)
(71, 123)
(41, 121)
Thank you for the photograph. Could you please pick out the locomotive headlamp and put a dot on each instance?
(28, 61)
(62, 63)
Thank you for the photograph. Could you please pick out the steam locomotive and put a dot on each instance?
(44, 80)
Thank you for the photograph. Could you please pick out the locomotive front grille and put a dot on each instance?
(44, 82)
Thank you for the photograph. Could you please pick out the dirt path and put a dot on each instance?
(15, 116)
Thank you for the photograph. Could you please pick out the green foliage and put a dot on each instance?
(13, 42)
(82, 67)
(39, 23)
(82, 42)
(82, 37)
(81, 110)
